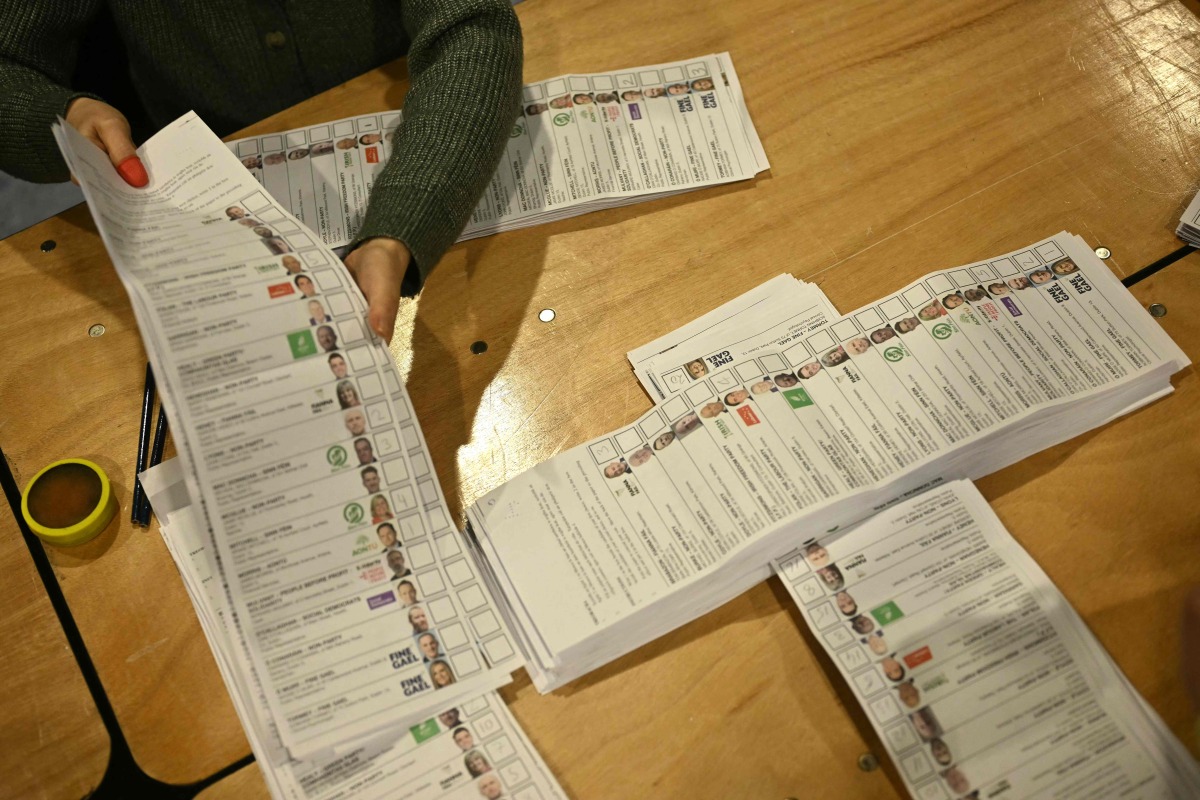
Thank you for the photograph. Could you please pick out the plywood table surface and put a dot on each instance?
(903, 138)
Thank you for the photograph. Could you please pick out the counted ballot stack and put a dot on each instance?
(1189, 223)
(756, 441)
(582, 143)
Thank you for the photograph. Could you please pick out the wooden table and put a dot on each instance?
(903, 138)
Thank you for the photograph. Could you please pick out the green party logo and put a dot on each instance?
(302, 344)
(942, 331)
(887, 613)
(562, 119)
(797, 398)
(517, 130)
(336, 456)
(427, 729)
(893, 354)
(353, 513)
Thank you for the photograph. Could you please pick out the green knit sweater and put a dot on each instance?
(237, 61)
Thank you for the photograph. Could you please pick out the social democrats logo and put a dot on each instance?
(893, 354)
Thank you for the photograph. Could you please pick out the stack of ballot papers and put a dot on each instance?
(1189, 223)
(473, 750)
(344, 607)
(976, 673)
(767, 428)
(582, 143)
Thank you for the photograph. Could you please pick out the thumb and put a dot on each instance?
(118, 144)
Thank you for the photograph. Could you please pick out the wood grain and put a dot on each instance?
(52, 741)
(903, 138)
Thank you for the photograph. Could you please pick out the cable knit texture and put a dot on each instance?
(237, 61)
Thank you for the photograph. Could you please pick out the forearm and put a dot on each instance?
(465, 69)
(29, 103)
(38, 45)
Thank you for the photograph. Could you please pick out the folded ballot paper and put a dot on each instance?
(976, 673)
(768, 429)
(1189, 223)
(356, 609)
(582, 143)
(472, 750)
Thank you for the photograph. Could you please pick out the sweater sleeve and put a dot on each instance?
(464, 65)
(39, 43)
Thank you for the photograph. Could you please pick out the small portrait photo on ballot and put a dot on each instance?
(429, 645)
(533, 109)
(696, 368)
(321, 149)
(616, 469)
(441, 674)
(641, 456)
(561, 102)
(952, 301)
(1041, 276)
(406, 593)
(298, 154)
(476, 763)
(252, 162)
(654, 91)
(277, 246)
(881, 335)
(235, 212)
(702, 85)
(675, 89)
(686, 425)
(1064, 267)
(275, 159)
(906, 325)
(975, 294)
(927, 725)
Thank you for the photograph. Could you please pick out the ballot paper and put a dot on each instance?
(976, 673)
(1189, 223)
(333, 542)
(772, 314)
(473, 750)
(582, 143)
(958, 374)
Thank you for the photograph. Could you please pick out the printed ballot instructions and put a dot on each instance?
(976, 673)
(582, 142)
(356, 607)
(466, 752)
(960, 373)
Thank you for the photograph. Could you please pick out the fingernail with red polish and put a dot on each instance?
(133, 172)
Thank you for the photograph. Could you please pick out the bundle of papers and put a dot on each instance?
(466, 752)
(976, 673)
(582, 143)
(356, 610)
(761, 439)
(1189, 223)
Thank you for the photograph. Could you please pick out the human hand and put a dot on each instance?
(378, 266)
(109, 130)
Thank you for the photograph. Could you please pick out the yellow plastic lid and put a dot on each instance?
(68, 502)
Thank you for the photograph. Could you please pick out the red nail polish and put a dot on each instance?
(133, 172)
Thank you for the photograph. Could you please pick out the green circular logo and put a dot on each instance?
(353, 513)
(893, 354)
(336, 456)
(517, 130)
(942, 331)
(562, 119)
